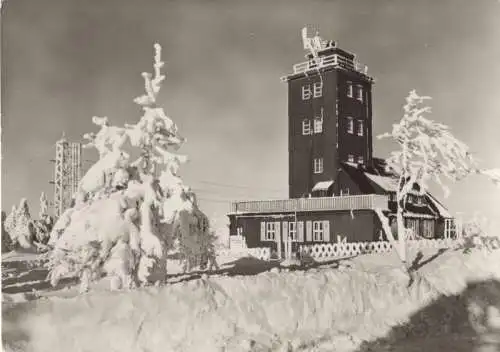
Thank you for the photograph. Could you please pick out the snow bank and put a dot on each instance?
(332, 310)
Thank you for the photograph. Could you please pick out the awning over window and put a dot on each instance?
(322, 186)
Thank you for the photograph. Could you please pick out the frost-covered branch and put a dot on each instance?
(152, 84)
(428, 153)
(126, 214)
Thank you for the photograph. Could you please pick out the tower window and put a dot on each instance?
(350, 158)
(359, 93)
(318, 124)
(361, 160)
(350, 125)
(318, 165)
(306, 92)
(306, 127)
(350, 92)
(360, 128)
(318, 89)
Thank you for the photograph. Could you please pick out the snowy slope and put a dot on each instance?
(322, 309)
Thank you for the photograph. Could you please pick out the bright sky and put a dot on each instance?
(65, 61)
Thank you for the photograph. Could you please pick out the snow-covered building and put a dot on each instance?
(337, 189)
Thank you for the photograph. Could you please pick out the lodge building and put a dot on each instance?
(337, 190)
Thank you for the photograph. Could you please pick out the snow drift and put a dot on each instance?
(321, 309)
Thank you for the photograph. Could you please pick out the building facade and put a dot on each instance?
(337, 190)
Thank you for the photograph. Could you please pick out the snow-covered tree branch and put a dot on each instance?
(428, 153)
(127, 214)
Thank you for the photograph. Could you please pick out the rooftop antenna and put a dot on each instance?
(313, 45)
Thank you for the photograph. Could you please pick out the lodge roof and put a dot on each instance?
(377, 180)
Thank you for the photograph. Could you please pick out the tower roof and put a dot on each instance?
(63, 138)
(323, 54)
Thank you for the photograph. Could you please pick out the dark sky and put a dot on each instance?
(66, 61)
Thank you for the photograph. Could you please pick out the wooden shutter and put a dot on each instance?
(326, 230)
(309, 231)
(285, 230)
(300, 231)
(277, 229)
(262, 230)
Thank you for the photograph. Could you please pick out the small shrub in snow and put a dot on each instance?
(475, 236)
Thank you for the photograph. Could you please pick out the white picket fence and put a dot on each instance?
(345, 249)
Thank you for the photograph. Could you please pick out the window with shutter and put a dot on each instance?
(350, 125)
(318, 165)
(309, 231)
(300, 230)
(292, 230)
(262, 230)
(359, 93)
(360, 128)
(306, 127)
(306, 92)
(277, 227)
(326, 231)
(350, 89)
(285, 230)
(318, 124)
(318, 89)
(428, 228)
(318, 231)
(270, 231)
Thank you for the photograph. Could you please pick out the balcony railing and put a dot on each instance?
(369, 201)
(330, 60)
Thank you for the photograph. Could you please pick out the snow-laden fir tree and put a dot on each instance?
(428, 153)
(19, 225)
(25, 232)
(7, 244)
(129, 214)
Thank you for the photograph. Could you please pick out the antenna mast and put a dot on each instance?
(67, 173)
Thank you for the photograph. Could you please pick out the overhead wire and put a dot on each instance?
(238, 186)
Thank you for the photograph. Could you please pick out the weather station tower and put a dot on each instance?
(67, 173)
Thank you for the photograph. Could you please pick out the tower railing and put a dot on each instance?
(359, 202)
(335, 60)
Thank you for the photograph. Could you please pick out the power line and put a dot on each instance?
(239, 186)
(235, 198)
(235, 194)
(214, 200)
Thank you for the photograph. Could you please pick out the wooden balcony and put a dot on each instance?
(368, 201)
(334, 60)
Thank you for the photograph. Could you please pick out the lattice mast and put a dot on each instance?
(67, 173)
(76, 166)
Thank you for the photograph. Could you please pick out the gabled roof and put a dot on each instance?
(443, 212)
(388, 184)
(377, 180)
(370, 180)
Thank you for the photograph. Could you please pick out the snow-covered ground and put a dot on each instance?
(357, 304)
